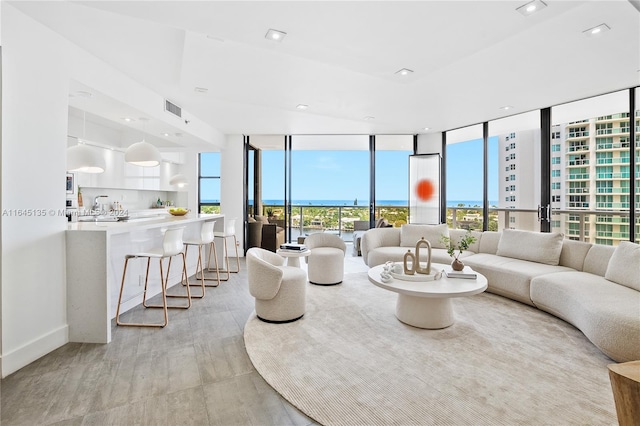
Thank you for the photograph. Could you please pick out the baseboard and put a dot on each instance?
(24, 355)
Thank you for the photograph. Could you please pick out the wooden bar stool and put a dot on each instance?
(171, 246)
(229, 232)
(206, 238)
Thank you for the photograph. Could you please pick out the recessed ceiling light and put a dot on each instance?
(165, 134)
(506, 107)
(531, 7)
(302, 107)
(404, 71)
(128, 119)
(426, 128)
(275, 35)
(201, 89)
(369, 118)
(597, 30)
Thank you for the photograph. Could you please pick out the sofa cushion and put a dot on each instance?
(597, 259)
(380, 255)
(510, 277)
(489, 242)
(607, 313)
(533, 246)
(573, 254)
(624, 265)
(411, 234)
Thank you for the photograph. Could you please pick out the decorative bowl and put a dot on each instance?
(178, 211)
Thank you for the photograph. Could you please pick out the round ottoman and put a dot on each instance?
(326, 266)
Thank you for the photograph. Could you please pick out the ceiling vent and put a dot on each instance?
(172, 108)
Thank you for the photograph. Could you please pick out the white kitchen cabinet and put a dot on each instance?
(119, 174)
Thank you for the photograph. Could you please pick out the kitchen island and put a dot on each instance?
(95, 254)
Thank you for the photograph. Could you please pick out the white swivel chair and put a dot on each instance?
(279, 290)
(171, 246)
(206, 239)
(326, 260)
(229, 232)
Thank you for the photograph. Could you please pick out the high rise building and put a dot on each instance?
(590, 169)
(519, 179)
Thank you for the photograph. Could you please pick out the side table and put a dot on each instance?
(293, 256)
(625, 383)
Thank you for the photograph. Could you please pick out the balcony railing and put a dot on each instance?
(606, 205)
(340, 219)
(336, 219)
(578, 134)
(579, 176)
(604, 217)
(578, 148)
(577, 190)
(619, 130)
(619, 160)
(612, 176)
(605, 146)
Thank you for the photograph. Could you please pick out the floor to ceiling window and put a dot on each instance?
(590, 169)
(465, 177)
(392, 177)
(209, 182)
(330, 183)
(514, 170)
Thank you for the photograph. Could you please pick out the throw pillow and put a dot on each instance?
(624, 266)
(411, 234)
(533, 246)
(251, 219)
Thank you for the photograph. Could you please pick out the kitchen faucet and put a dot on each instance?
(97, 206)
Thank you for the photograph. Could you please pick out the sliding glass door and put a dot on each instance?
(330, 181)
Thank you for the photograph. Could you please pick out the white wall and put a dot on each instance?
(34, 138)
(38, 66)
(231, 191)
(430, 143)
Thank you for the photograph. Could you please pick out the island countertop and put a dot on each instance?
(139, 223)
(95, 259)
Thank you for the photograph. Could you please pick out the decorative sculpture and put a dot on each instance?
(418, 267)
(409, 270)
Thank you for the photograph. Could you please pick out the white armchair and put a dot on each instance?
(326, 260)
(279, 290)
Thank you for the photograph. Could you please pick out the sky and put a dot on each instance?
(344, 175)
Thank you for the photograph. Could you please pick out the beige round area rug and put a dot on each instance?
(349, 361)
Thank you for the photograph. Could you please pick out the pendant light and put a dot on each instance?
(143, 153)
(81, 158)
(179, 180)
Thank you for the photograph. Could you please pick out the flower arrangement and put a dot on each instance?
(463, 244)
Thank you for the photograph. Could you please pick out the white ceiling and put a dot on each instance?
(469, 58)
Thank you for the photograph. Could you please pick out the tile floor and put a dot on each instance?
(194, 371)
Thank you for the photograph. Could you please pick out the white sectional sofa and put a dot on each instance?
(595, 288)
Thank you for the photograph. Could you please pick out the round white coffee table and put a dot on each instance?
(293, 257)
(428, 304)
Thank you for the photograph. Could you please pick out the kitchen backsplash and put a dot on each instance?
(130, 199)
